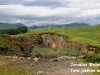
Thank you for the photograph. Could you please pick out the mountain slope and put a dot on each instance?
(60, 25)
(10, 26)
(76, 24)
(83, 34)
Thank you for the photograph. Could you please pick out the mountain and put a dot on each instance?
(59, 25)
(16, 25)
(10, 26)
(76, 24)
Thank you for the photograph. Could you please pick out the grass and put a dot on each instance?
(10, 67)
(89, 35)
(86, 35)
(51, 53)
(4, 42)
(15, 70)
(96, 68)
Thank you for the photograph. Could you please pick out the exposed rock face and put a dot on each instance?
(53, 41)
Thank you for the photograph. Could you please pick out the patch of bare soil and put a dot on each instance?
(43, 66)
(56, 68)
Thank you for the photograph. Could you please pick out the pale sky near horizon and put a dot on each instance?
(33, 12)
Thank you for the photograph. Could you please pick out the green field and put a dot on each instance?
(89, 35)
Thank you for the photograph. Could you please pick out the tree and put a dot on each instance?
(23, 29)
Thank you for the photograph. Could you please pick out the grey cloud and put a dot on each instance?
(50, 11)
(48, 3)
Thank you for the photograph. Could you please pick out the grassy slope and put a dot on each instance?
(86, 35)
(3, 42)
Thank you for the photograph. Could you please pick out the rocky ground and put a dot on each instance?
(48, 67)
(42, 66)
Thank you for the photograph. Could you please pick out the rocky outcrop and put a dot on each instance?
(55, 41)
(22, 46)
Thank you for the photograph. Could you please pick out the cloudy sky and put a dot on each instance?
(33, 12)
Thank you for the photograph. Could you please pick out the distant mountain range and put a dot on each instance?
(16, 25)
(59, 25)
(10, 26)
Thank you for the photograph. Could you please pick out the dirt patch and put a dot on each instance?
(43, 66)
(56, 68)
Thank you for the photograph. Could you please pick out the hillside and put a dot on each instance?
(79, 38)
(42, 49)
(59, 25)
(10, 26)
(84, 34)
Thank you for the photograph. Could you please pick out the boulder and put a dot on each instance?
(36, 59)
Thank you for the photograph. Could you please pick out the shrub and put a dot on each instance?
(23, 29)
(10, 31)
(93, 58)
(14, 31)
(50, 53)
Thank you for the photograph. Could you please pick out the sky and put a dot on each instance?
(39, 12)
